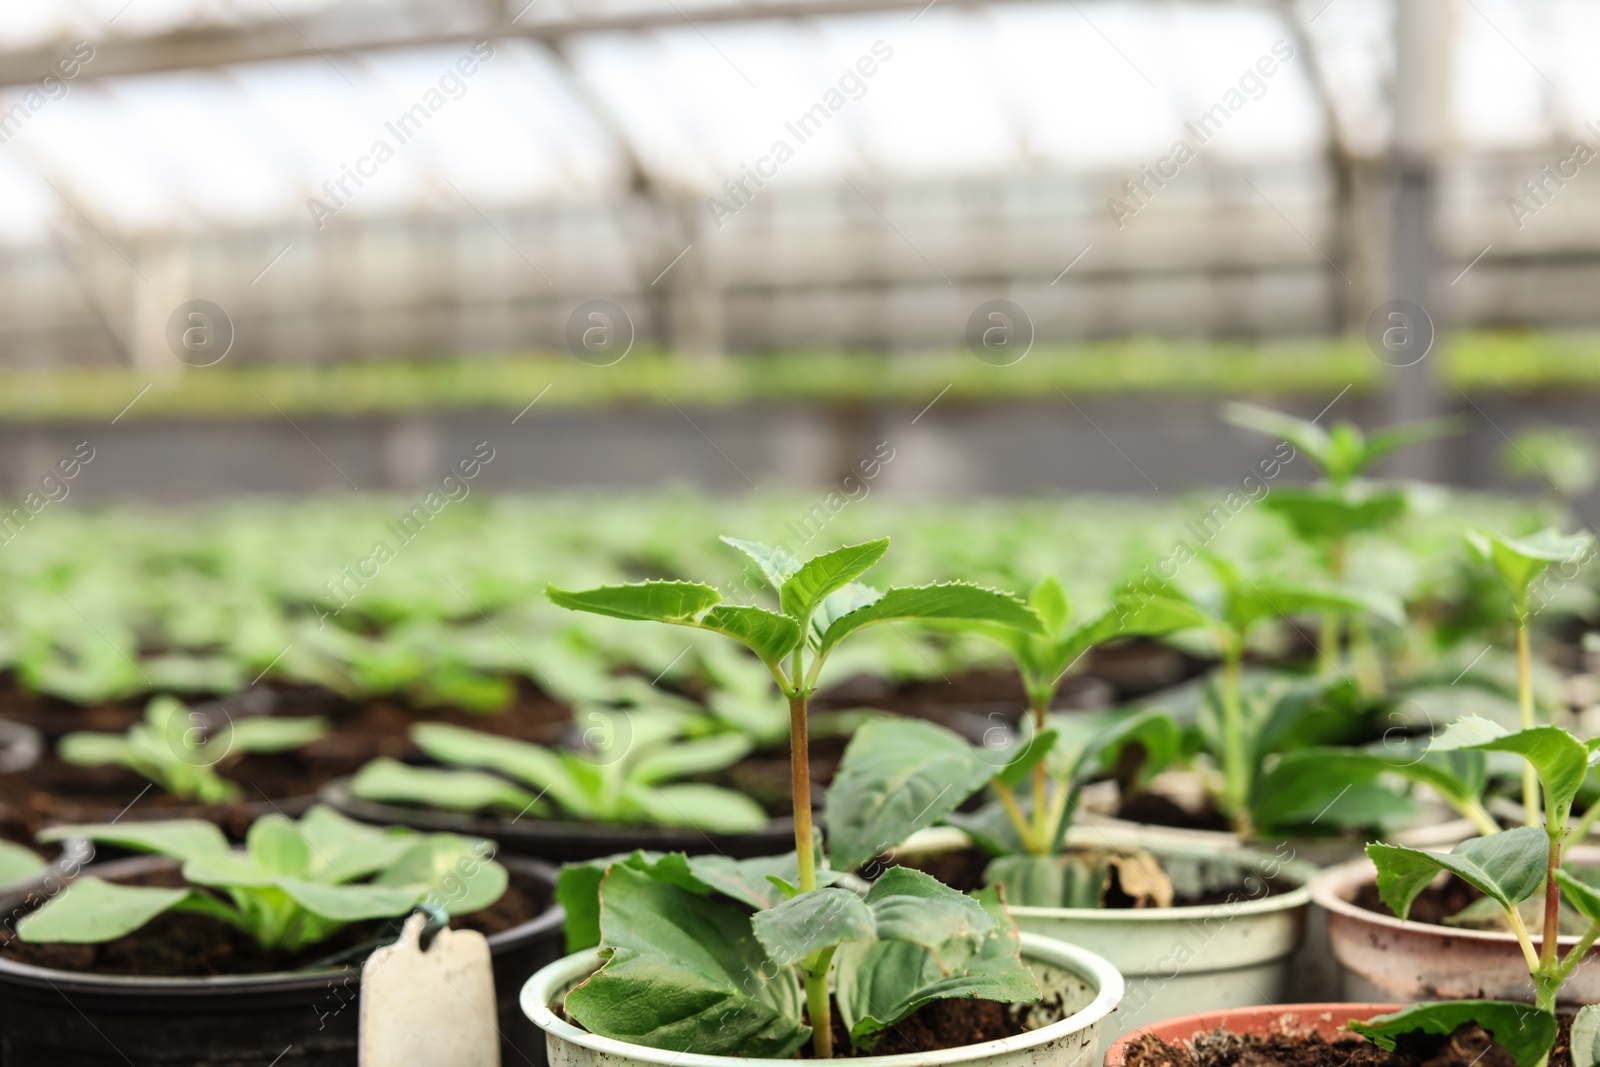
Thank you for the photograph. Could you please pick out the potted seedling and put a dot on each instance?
(700, 959)
(1327, 515)
(1523, 877)
(623, 791)
(1187, 926)
(203, 952)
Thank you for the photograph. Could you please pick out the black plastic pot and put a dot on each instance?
(54, 1018)
(564, 842)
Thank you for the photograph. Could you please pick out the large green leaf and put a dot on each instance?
(897, 776)
(1332, 788)
(1580, 894)
(796, 928)
(1523, 1031)
(276, 846)
(1586, 1036)
(351, 903)
(344, 850)
(18, 862)
(908, 905)
(685, 758)
(268, 733)
(1328, 514)
(389, 781)
(687, 974)
(91, 910)
(182, 839)
(776, 565)
(454, 871)
(768, 634)
(881, 982)
(1508, 866)
(1560, 759)
(1519, 560)
(675, 602)
(818, 578)
(702, 807)
(951, 601)
(534, 765)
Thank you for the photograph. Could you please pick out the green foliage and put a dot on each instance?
(176, 749)
(1526, 1034)
(293, 884)
(1344, 451)
(623, 778)
(699, 957)
(1565, 459)
(1508, 866)
(18, 863)
(1521, 560)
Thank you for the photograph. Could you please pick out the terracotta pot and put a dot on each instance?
(1324, 1020)
(1382, 957)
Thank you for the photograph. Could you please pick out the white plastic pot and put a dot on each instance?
(1087, 986)
(1176, 961)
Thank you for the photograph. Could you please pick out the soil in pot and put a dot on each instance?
(179, 945)
(1469, 1046)
(940, 1024)
(963, 869)
(1433, 905)
(1153, 809)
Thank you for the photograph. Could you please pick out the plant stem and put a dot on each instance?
(1328, 645)
(817, 1004)
(1520, 928)
(1235, 770)
(1041, 779)
(1580, 829)
(1530, 777)
(1008, 800)
(1552, 905)
(1577, 952)
(800, 778)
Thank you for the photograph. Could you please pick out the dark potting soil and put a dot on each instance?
(1467, 1047)
(1433, 905)
(940, 1024)
(1156, 810)
(175, 945)
(963, 869)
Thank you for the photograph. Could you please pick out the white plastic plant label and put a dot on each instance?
(432, 1008)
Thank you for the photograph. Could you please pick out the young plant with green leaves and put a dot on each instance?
(625, 775)
(180, 750)
(1232, 607)
(1520, 562)
(727, 953)
(1043, 660)
(1509, 867)
(293, 885)
(821, 603)
(1326, 515)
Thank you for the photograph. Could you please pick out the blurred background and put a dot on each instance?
(285, 246)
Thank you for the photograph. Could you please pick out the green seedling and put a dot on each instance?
(625, 776)
(293, 885)
(821, 603)
(179, 750)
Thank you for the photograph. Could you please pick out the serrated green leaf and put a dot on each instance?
(768, 634)
(818, 578)
(1508, 866)
(1520, 560)
(775, 564)
(672, 602)
(1522, 1030)
(794, 929)
(1560, 759)
(685, 974)
(951, 601)
(908, 905)
(896, 778)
